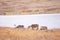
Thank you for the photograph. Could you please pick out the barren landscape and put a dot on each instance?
(28, 34)
(12, 7)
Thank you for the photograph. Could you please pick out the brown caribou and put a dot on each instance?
(43, 28)
(20, 26)
(34, 26)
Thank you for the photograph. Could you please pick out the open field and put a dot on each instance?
(26, 34)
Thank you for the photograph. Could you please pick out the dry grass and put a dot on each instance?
(17, 34)
(25, 7)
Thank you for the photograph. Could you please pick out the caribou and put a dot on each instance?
(34, 26)
(20, 26)
(43, 28)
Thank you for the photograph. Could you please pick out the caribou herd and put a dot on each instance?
(33, 27)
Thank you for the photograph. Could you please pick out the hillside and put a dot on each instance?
(12, 7)
(17, 34)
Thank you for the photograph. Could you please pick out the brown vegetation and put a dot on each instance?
(12, 7)
(14, 34)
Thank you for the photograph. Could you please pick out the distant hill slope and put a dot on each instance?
(17, 34)
(10, 7)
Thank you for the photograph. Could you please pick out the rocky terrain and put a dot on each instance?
(9, 7)
(25, 34)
